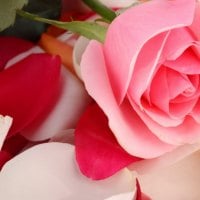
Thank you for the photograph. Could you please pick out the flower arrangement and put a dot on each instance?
(101, 104)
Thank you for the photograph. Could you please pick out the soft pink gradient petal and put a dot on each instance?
(172, 135)
(187, 63)
(127, 34)
(177, 182)
(178, 41)
(93, 137)
(196, 112)
(64, 113)
(49, 172)
(195, 24)
(128, 128)
(27, 86)
(5, 124)
(146, 66)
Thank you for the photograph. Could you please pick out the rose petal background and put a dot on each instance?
(98, 153)
(178, 182)
(128, 128)
(49, 172)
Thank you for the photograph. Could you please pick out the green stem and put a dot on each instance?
(101, 9)
(91, 30)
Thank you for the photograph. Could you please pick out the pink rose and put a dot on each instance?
(145, 77)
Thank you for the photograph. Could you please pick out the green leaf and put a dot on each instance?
(91, 30)
(32, 30)
(8, 11)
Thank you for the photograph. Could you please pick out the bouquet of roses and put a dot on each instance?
(102, 104)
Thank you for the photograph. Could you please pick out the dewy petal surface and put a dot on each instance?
(49, 172)
(127, 34)
(128, 128)
(27, 86)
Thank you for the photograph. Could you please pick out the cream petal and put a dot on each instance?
(125, 196)
(49, 172)
(178, 182)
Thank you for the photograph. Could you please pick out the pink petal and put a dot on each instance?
(179, 181)
(63, 114)
(131, 30)
(187, 63)
(10, 47)
(97, 151)
(49, 172)
(187, 132)
(130, 131)
(178, 41)
(146, 66)
(28, 87)
(195, 24)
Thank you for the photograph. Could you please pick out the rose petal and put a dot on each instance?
(146, 66)
(93, 137)
(10, 47)
(49, 172)
(125, 196)
(179, 181)
(128, 128)
(118, 3)
(187, 63)
(178, 135)
(64, 113)
(79, 48)
(130, 37)
(5, 124)
(195, 24)
(23, 55)
(168, 159)
(27, 86)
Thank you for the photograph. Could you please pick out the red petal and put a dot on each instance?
(28, 87)
(97, 152)
(10, 47)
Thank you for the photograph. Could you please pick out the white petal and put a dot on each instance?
(5, 124)
(118, 3)
(180, 181)
(78, 50)
(64, 114)
(49, 172)
(125, 196)
(152, 165)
